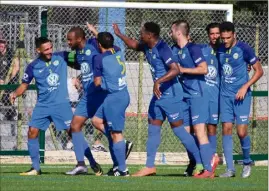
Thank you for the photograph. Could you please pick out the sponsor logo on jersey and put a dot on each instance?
(85, 68)
(227, 70)
(212, 72)
(53, 79)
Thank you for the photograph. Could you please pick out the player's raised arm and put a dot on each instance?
(92, 29)
(131, 43)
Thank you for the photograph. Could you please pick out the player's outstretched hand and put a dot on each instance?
(116, 29)
(241, 93)
(156, 90)
(12, 97)
(92, 29)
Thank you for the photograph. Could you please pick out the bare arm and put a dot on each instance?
(198, 70)
(258, 72)
(172, 73)
(131, 43)
(18, 92)
(92, 29)
(15, 68)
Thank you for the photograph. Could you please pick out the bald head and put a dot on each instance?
(76, 38)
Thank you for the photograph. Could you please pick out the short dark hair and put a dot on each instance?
(211, 26)
(227, 27)
(79, 32)
(41, 40)
(106, 39)
(153, 28)
(186, 26)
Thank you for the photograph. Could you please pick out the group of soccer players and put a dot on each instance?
(194, 84)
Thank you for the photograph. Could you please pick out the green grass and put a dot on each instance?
(168, 178)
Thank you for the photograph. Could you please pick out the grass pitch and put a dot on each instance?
(167, 178)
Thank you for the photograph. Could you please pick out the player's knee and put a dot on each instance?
(116, 136)
(227, 128)
(176, 123)
(242, 134)
(33, 133)
(211, 130)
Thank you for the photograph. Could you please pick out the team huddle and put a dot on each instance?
(195, 87)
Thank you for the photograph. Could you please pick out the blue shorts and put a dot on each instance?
(113, 110)
(60, 114)
(167, 107)
(232, 110)
(195, 110)
(213, 112)
(89, 104)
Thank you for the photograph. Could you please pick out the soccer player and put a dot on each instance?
(211, 90)
(235, 94)
(91, 100)
(110, 74)
(167, 99)
(50, 73)
(193, 67)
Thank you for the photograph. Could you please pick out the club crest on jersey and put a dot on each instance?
(88, 52)
(53, 79)
(227, 70)
(84, 67)
(56, 62)
(183, 56)
(235, 56)
(154, 56)
(212, 72)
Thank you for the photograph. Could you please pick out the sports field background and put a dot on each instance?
(168, 178)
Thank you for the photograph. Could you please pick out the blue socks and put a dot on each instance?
(88, 153)
(78, 143)
(227, 144)
(189, 143)
(33, 148)
(110, 146)
(213, 142)
(153, 142)
(245, 144)
(206, 155)
(119, 151)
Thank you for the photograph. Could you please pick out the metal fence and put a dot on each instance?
(20, 25)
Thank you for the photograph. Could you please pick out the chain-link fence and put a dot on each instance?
(20, 25)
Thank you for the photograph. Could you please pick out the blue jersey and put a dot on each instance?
(190, 56)
(234, 63)
(159, 58)
(84, 58)
(50, 78)
(111, 68)
(212, 78)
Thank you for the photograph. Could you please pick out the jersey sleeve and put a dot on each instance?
(196, 54)
(166, 54)
(97, 65)
(28, 74)
(93, 41)
(249, 54)
(141, 47)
